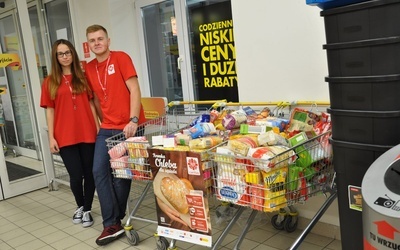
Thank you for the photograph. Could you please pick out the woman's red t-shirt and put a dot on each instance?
(71, 126)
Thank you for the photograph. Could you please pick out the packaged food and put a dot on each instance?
(137, 146)
(200, 118)
(231, 184)
(257, 197)
(275, 189)
(121, 162)
(272, 157)
(242, 145)
(234, 119)
(205, 142)
(273, 122)
(117, 151)
(271, 138)
(308, 152)
(182, 139)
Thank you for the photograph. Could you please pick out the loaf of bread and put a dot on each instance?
(175, 192)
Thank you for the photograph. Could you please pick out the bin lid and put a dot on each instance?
(380, 187)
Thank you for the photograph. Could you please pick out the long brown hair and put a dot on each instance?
(78, 83)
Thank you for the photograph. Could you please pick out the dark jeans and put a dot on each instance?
(78, 159)
(113, 192)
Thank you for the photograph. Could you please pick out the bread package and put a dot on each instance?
(175, 192)
(242, 145)
(272, 157)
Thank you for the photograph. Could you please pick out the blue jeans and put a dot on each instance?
(113, 192)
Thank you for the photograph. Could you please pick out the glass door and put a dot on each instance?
(161, 43)
(184, 63)
(23, 170)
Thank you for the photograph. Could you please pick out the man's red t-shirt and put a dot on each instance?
(107, 80)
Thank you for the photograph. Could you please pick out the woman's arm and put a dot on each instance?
(50, 126)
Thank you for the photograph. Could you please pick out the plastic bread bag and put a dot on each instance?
(242, 145)
(271, 138)
(270, 157)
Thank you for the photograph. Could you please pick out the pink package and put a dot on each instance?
(117, 151)
(121, 162)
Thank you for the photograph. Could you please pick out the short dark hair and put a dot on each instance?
(94, 28)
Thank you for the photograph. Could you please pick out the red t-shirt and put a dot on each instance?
(71, 126)
(107, 80)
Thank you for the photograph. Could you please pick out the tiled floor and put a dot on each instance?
(42, 220)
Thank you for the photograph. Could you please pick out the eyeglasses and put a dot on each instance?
(62, 54)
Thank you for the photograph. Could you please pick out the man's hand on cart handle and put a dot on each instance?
(130, 129)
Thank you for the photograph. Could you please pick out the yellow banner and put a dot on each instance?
(10, 60)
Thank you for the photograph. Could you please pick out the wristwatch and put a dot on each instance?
(134, 119)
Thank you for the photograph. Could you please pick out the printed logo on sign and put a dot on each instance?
(388, 203)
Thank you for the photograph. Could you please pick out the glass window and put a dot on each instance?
(58, 20)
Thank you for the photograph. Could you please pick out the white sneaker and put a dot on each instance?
(77, 218)
(87, 219)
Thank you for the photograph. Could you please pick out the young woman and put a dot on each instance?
(72, 124)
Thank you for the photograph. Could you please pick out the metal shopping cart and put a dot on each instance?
(274, 179)
(130, 155)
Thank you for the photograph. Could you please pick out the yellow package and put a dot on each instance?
(275, 189)
(242, 145)
(205, 142)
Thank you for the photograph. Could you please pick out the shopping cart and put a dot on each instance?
(275, 181)
(130, 155)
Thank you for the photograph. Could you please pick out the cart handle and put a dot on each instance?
(281, 104)
(322, 103)
(177, 103)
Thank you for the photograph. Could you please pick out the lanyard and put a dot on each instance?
(70, 89)
(103, 85)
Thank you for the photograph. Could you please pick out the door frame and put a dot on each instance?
(184, 59)
(31, 76)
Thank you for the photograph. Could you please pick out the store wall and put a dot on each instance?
(278, 46)
(279, 49)
(280, 58)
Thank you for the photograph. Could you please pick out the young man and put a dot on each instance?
(112, 77)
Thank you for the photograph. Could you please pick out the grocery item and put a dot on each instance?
(270, 138)
(182, 139)
(275, 189)
(137, 146)
(117, 151)
(200, 118)
(121, 162)
(234, 119)
(242, 145)
(205, 142)
(271, 157)
(257, 197)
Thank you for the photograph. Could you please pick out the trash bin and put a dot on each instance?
(380, 190)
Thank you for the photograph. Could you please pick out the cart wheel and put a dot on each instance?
(278, 221)
(162, 243)
(291, 223)
(133, 237)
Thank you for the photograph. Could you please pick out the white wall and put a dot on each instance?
(280, 58)
(279, 51)
(278, 46)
